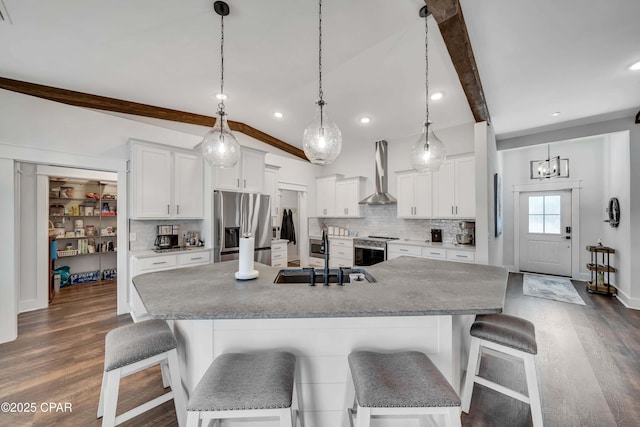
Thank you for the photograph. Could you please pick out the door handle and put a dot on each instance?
(567, 237)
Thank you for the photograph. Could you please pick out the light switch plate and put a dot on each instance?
(133, 237)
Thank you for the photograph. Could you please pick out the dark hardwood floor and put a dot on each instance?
(588, 364)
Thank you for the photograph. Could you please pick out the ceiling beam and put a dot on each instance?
(86, 100)
(448, 15)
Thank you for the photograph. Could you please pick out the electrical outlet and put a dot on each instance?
(133, 237)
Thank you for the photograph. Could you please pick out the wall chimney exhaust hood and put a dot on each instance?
(381, 196)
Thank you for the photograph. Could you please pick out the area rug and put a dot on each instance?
(550, 287)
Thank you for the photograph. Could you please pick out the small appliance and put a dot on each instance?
(167, 237)
(436, 235)
(467, 235)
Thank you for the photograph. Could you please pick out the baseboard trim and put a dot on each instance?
(628, 302)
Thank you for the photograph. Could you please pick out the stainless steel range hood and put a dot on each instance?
(381, 196)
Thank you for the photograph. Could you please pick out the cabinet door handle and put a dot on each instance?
(404, 250)
(456, 210)
(196, 258)
(159, 262)
(238, 182)
(168, 209)
(451, 210)
(461, 256)
(178, 209)
(245, 183)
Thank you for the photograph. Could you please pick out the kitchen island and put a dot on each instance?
(420, 304)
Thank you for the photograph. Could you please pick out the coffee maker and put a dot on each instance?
(467, 234)
(167, 237)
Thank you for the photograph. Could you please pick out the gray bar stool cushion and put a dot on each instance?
(406, 379)
(237, 381)
(506, 330)
(135, 342)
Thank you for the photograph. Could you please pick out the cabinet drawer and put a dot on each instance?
(454, 255)
(279, 247)
(279, 255)
(195, 258)
(338, 252)
(156, 263)
(341, 243)
(434, 253)
(281, 263)
(405, 250)
(316, 262)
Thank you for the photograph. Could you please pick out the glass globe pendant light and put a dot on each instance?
(427, 154)
(219, 146)
(322, 140)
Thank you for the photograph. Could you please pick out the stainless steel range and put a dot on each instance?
(370, 250)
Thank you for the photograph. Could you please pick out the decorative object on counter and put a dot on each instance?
(428, 152)
(245, 262)
(220, 146)
(552, 167)
(322, 139)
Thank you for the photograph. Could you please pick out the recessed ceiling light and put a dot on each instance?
(221, 96)
(278, 114)
(556, 114)
(365, 120)
(436, 96)
(635, 66)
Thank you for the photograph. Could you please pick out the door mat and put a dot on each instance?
(550, 287)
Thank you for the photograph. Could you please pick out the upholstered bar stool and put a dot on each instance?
(509, 335)
(133, 348)
(239, 385)
(405, 384)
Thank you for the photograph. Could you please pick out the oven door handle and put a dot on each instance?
(368, 247)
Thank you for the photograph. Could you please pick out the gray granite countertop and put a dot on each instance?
(405, 286)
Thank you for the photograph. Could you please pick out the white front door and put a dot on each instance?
(545, 232)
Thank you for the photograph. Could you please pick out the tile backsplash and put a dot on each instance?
(147, 230)
(382, 220)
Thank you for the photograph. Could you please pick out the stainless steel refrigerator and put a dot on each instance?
(234, 215)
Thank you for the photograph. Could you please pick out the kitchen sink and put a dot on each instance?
(311, 276)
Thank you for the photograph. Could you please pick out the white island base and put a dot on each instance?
(322, 346)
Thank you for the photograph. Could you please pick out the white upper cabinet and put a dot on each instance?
(246, 176)
(454, 189)
(415, 195)
(189, 185)
(271, 187)
(349, 192)
(167, 183)
(326, 195)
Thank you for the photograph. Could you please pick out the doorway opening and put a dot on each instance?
(292, 198)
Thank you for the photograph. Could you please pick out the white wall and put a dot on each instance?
(8, 251)
(359, 159)
(616, 184)
(629, 132)
(585, 157)
(45, 132)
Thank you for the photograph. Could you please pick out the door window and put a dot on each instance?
(544, 214)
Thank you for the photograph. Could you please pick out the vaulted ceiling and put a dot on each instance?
(533, 59)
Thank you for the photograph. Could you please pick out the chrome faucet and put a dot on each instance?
(325, 251)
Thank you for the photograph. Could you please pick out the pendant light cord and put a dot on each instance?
(320, 94)
(221, 103)
(426, 57)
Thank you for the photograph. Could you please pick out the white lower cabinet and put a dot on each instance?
(464, 256)
(316, 262)
(395, 250)
(171, 261)
(279, 254)
(340, 253)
